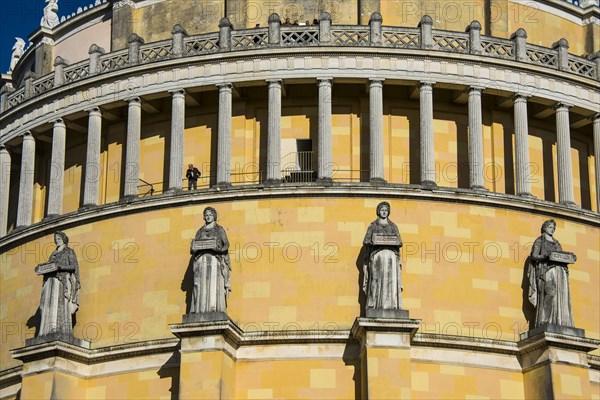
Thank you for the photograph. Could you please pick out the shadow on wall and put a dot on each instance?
(34, 321)
(360, 262)
(187, 284)
(351, 358)
(170, 369)
(527, 307)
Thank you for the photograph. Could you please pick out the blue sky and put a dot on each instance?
(19, 18)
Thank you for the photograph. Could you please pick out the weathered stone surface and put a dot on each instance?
(382, 281)
(60, 294)
(549, 281)
(212, 271)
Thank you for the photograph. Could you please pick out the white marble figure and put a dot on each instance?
(60, 292)
(549, 281)
(17, 51)
(382, 282)
(50, 18)
(212, 268)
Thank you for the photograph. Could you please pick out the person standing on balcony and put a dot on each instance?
(192, 176)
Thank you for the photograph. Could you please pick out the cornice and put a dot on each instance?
(134, 75)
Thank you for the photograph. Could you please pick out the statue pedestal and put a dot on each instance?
(555, 364)
(53, 367)
(385, 360)
(57, 337)
(552, 328)
(207, 367)
(385, 313)
(205, 317)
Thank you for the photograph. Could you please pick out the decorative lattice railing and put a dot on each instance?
(323, 34)
(113, 61)
(156, 51)
(201, 44)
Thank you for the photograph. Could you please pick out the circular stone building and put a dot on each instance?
(476, 121)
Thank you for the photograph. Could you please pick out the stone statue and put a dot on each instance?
(548, 277)
(18, 50)
(60, 291)
(50, 18)
(382, 282)
(212, 269)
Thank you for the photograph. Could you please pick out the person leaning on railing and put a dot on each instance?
(192, 176)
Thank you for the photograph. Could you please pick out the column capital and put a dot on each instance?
(427, 84)
(595, 117)
(177, 92)
(521, 97)
(278, 81)
(59, 122)
(133, 101)
(93, 110)
(27, 135)
(562, 105)
(376, 80)
(476, 88)
(325, 81)
(224, 86)
(3, 148)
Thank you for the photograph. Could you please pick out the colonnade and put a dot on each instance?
(273, 156)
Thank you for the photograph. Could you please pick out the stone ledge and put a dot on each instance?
(92, 356)
(470, 343)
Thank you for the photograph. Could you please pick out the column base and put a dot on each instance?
(272, 182)
(386, 313)
(88, 206)
(377, 181)
(128, 199)
(553, 328)
(526, 194)
(172, 191)
(51, 217)
(324, 181)
(222, 185)
(569, 204)
(479, 188)
(429, 185)
(205, 317)
(57, 337)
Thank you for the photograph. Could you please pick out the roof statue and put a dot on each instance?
(50, 18)
(17, 51)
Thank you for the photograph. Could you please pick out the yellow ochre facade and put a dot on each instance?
(473, 120)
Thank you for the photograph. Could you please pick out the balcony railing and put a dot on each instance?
(373, 35)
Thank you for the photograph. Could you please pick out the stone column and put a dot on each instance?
(475, 139)
(132, 153)
(224, 136)
(522, 168)
(324, 156)
(25, 205)
(426, 119)
(4, 188)
(376, 130)
(57, 169)
(563, 152)
(597, 158)
(177, 134)
(91, 188)
(274, 133)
